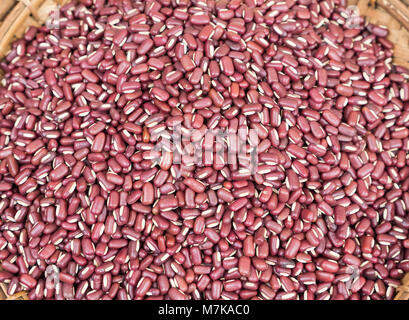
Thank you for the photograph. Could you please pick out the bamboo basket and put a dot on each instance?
(4, 296)
(403, 290)
(17, 15)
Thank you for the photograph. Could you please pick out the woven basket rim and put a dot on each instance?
(31, 10)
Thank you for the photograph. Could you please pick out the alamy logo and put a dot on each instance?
(211, 146)
(352, 17)
(52, 276)
(53, 20)
(353, 271)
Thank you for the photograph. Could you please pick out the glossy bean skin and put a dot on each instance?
(171, 150)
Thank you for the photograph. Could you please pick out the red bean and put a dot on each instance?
(175, 294)
(143, 287)
(59, 172)
(244, 266)
(28, 281)
(292, 248)
(200, 19)
(187, 63)
(147, 194)
(232, 285)
(226, 65)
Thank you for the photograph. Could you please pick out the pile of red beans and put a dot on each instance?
(90, 211)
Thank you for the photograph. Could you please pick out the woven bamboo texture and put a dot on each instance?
(17, 15)
(394, 14)
(403, 290)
